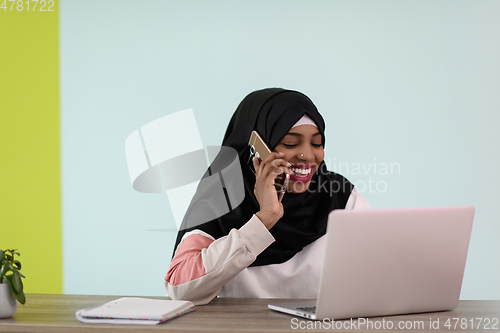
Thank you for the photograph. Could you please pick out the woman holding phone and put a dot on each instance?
(265, 248)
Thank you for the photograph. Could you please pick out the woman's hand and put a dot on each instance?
(271, 210)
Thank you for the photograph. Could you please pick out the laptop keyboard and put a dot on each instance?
(308, 309)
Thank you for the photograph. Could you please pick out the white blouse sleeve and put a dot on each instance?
(201, 265)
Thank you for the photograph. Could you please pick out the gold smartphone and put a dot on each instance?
(257, 148)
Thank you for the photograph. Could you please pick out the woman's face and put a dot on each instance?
(302, 148)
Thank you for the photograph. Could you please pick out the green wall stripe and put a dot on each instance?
(30, 195)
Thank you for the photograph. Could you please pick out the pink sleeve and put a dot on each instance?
(187, 263)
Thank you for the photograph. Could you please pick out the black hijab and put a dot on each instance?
(272, 113)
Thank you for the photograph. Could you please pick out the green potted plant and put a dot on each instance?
(11, 285)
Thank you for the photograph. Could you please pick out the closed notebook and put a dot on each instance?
(135, 310)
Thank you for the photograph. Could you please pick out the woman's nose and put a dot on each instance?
(305, 154)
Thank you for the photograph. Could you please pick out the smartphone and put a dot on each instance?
(257, 148)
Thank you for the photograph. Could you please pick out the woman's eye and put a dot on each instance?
(316, 145)
(289, 145)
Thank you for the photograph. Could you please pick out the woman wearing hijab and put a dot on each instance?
(264, 248)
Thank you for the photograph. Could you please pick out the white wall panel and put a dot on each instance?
(408, 84)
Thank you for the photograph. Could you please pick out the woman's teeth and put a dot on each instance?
(301, 172)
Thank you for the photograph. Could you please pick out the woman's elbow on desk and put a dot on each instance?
(188, 293)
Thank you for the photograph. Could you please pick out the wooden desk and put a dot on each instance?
(56, 313)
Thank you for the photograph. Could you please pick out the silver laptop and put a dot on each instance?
(386, 262)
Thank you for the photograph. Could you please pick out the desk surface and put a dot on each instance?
(56, 313)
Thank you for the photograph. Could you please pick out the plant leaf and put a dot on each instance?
(21, 274)
(8, 279)
(5, 268)
(21, 298)
(16, 280)
(17, 263)
(2, 255)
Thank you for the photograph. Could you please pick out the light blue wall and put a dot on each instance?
(410, 83)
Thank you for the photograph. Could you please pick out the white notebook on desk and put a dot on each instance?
(135, 310)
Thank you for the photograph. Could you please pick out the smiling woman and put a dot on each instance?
(264, 247)
(302, 148)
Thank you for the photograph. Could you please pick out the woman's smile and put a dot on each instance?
(302, 172)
